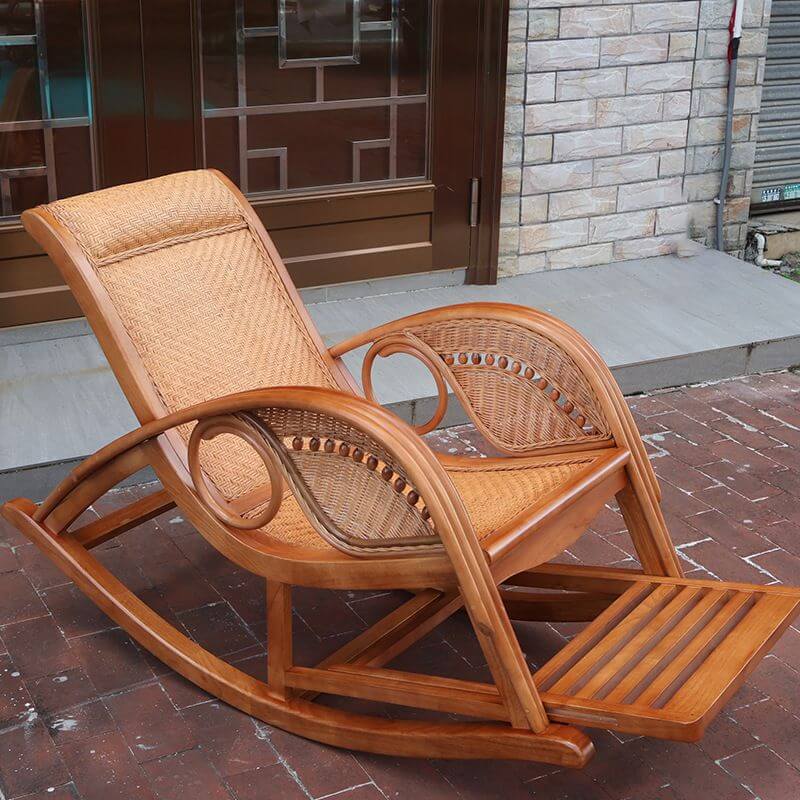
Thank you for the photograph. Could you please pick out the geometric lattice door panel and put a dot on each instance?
(302, 94)
(666, 656)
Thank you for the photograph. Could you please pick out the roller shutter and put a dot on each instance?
(776, 181)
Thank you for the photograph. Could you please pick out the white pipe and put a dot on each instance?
(761, 243)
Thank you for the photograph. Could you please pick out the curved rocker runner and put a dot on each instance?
(305, 481)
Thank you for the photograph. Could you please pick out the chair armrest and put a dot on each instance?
(366, 482)
(528, 381)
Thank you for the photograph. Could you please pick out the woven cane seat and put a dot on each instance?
(495, 495)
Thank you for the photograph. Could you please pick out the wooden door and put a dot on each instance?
(361, 130)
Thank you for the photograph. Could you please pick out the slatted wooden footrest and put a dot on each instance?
(665, 657)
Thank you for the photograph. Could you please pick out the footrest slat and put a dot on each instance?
(665, 657)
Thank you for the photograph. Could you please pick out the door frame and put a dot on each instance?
(490, 140)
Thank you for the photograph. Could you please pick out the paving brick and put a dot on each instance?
(218, 628)
(775, 679)
(15, 699)
(8, 560)
(186, 775)
(773, 726)
(321, 769)
(739, 539)
(274, 781)
(37, 647)
(18, 600)
(151, 725)
(395, 780)
(111, 660)
(766, 775)
(74, 613)
(29, 762)
(229, 738)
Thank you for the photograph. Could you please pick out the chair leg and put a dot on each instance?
(649, 533)
(279, 636)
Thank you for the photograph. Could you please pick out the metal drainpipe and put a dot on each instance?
(735, 28)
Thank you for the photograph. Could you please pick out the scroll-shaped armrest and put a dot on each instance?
(366, 482)
(521, 386)
(528, 381)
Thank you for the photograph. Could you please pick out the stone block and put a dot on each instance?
(714, 72)
(567, 116)
(517, 25)
(672, 219)
(595, 21)
(515, 89)
(531, 262)
(579, 54)
(574, 145)
(583, 83)
(510, 210)
(511, 181)
(651, 194)
(538, 149)
(541, 87)
(710, 130)
(643, 48)
(654, 136)
(624, 169)
(677, 105)
(682, 46)
(657, 17)
(557, 177)
(553, 235)
(543, 23)
(612, 227)
(586, 256)
(583, 203)
(533, 209)
(647, 248)
(512, 150)
(516, 57)
(714, 102)
(630, 109)
(509, 240)
(672, 162)
(671, 77)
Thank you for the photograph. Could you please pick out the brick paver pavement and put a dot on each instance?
(85, 713)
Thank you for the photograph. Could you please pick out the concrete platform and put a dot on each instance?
(658, 322)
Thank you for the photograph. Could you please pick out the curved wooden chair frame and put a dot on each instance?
(661, 654)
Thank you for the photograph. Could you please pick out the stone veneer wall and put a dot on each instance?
(614, 128)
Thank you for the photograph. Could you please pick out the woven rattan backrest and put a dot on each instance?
(200, 297)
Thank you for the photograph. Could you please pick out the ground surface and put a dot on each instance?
(84, 713)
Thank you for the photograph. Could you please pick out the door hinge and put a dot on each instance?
(474, 201)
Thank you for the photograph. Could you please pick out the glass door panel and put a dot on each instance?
(45, 106)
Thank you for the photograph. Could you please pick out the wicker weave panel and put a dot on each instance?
(493, 496)
(358, 500)
(208, 318)
(517, 413)
(521, 404)
(114, 221)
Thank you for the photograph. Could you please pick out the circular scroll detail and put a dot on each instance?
(210, 428)
(389, 346)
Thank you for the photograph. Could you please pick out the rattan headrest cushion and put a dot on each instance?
(121, 221)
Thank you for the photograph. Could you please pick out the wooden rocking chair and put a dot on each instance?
(262, 439)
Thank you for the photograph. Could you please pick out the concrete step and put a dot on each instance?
(658, 322)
